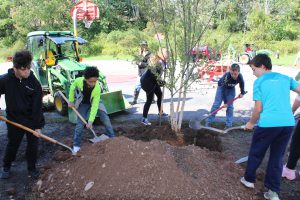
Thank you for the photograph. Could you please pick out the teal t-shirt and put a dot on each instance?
(273, 90)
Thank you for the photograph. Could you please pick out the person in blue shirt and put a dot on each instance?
(226, 92)
(275, 121)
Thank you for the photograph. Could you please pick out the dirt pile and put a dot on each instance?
(122, 168)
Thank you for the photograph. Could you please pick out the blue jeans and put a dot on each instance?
(217, 103)
(138, 84)
(275, 138)
(84, 110)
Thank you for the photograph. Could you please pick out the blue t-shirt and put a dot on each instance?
(273, 89)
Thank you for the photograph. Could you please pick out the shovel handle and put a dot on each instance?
(74, 109)
(40, 135)
(29, 130)
(217, 110)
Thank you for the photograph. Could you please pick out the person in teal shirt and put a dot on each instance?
(275, 121)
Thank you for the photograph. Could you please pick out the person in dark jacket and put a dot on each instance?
(151, 82)
(23, 97)
(226, 92)
(142, 64)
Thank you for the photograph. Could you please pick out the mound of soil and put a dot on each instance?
(122, 168)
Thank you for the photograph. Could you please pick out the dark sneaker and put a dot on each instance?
(164, 114)
(146, 122)
(271, 195)
(33, 173)
(5, 173)
(133, 103)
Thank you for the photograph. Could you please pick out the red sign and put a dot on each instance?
(85, 10)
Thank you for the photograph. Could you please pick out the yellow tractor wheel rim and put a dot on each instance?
(58, 104)
(244, 59)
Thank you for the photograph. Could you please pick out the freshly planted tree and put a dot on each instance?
(182, 23)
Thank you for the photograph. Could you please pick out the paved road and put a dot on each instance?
(122, 75)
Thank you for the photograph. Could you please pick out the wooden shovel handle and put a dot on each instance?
(74, 109)
(28, 130)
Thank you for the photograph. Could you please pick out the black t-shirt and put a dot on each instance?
(86, 93)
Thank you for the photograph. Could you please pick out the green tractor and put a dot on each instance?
(56, 64)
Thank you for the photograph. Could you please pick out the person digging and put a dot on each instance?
(23, 98)
(226, 92)
(85, 96)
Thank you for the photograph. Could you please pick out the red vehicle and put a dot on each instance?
(202, 52)
(213, 70)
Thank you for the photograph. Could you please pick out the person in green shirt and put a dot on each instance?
(84, 95)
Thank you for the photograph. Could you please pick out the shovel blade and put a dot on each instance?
(99, 139)
(195, 124)
(241, 160)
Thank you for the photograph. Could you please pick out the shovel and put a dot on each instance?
(241, 160)
(197, 126)
(96, 138)
(196, 123)
(40, 135)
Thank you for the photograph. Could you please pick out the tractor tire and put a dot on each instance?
(60, 105)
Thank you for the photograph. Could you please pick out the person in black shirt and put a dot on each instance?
(23, 97)
(142, 64)
(151, 81)
(226, 92)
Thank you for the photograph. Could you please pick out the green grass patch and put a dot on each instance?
(110, 57)
(284, 60)
(2, 60)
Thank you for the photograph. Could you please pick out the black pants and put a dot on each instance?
(157, 91)
(294, 148)
(15, 136)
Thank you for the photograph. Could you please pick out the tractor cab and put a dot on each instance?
(49, 50)
(56, 64)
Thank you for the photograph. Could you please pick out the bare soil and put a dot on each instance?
(141, 163)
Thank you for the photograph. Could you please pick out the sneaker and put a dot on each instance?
(163, 114)
(271, 195)
(246, 183)
(133, 103)
(289, 174)
(5, 173)
(76, 149)
(145, 122)
(33, 173)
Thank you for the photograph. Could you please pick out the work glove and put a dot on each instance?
(89, 125)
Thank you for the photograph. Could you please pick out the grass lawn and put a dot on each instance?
(284, 60)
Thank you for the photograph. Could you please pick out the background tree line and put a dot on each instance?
(270, 24)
